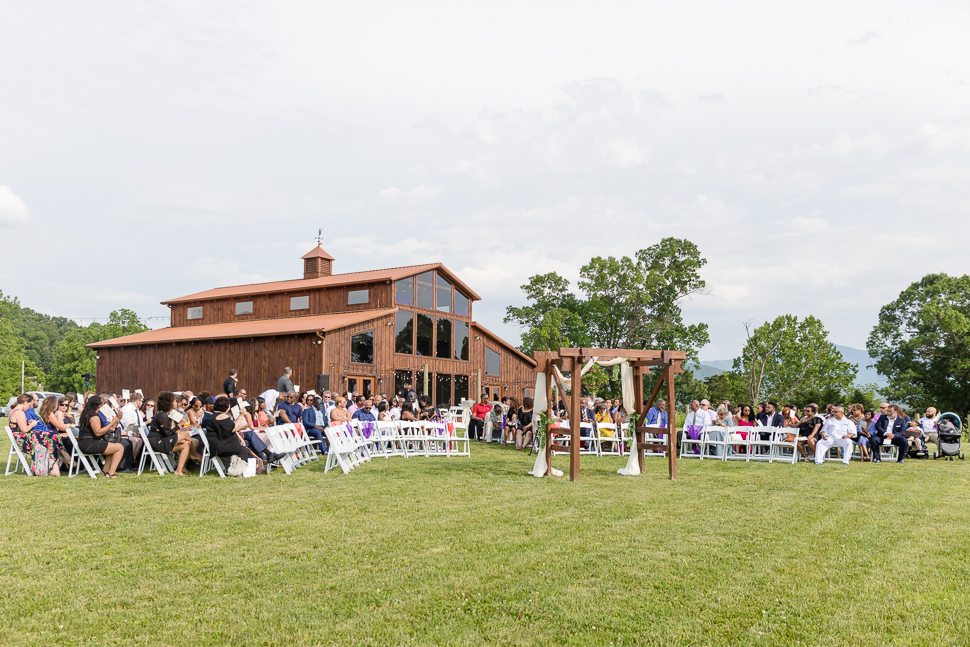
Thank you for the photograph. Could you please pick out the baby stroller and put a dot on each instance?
(950, 429)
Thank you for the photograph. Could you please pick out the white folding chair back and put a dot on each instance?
(391, 443)
(606, 444)
(692, 447)
(83, 460)
(759, 449)
(209, 462)
(738, 446)
(342, 449)
(786, 451)
(587, 437)
(413, 434)
(460, 444)
(21, 458)
(158, 459)
(715, 443)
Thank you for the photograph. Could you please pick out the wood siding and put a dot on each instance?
(204, 365)
(277, 305)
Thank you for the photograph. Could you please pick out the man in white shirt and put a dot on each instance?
(131, 415)
(695, 422)
(928, 424)
(837, 431)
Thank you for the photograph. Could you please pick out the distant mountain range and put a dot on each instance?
(710, 368)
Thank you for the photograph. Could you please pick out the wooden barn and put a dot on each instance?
(369, 332)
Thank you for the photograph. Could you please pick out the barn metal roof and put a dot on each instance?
(295, 285)
(260, 328)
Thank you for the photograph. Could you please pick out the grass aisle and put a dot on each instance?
(473, 552)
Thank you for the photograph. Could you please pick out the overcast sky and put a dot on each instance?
(818, 155)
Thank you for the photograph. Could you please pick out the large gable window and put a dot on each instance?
(300, 303)
(404, 291)
(443, 298)
(425, 335)
(425, 283)
(493, 362)
(461, 341)
(362, 348)
(404, 332)
(444, 338)
(461, 304)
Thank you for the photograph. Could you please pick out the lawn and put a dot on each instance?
(470, 551)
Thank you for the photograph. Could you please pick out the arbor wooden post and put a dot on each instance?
(575, 416)
(549, 409)
(671, 425)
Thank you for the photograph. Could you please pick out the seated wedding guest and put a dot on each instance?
(724, 418)
(837, 431)
(498, 419)
(476, 428)
(407, 413)
(131, 422)
(863, 434)
(524, 424)
(788, 415)
(891, 427)
(759, 409)
(428, 412)
(195, 412)
(657, 415)
(249, 431)
(808, 428)
(261, 418)
(770, 417)
(73, 408)
(314, 422)
(148, 410)
(165, 436)
(339, 414)
(220, 433)
(354, 403)
(43, 434)
(619, 414)
(364, 413)
(290, 410)
(53, 413)
(928, 424)
(384, 413)
(745, 418)
(395, 410)
(91, 432)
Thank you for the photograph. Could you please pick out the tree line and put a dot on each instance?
(920, 343)
(52, 350)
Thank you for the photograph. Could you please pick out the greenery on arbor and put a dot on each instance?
(625, 303)
(922, 344)
(72, 360)
(792, 360)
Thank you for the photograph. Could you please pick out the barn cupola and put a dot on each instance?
(317, 263)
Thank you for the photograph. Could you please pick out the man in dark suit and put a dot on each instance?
(770, 417)
(892, 427)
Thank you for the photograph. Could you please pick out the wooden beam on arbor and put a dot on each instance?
(575, 416)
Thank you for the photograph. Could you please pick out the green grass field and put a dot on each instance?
(470, 551)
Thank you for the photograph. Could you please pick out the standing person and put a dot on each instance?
(91, 436)
(837, 431)
(229, 386)
(476, 428)
(285, 383)
(891, 427)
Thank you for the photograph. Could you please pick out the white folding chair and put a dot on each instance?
(652, 435)
(786, 451)
(83, 460)
(737, 443)
(341, 450)
(460, 444)
(413, 435)
(21, 458)
(715, 443)
(210, 462)
(370, 433)
(158, 459)
(279, 444)
(694, 445)
(587, 437)
(607, 445)
(756, 443)
(391, 443)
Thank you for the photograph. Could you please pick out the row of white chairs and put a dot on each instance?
(605, 439)
(762, 444)
(356, 442)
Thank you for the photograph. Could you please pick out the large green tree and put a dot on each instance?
(38, 333)
(72, 360)
(625, 303)
(922, 344)
(791, 359)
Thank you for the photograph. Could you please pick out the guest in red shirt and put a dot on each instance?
(476, 428)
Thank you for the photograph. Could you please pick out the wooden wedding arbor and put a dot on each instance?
(572, 360)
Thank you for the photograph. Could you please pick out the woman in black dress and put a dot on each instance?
(523, 424)
(91, 433)
(220, 432)
(165, 436)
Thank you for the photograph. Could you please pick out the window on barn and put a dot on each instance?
(194, 313)
(493, 362)
(356, 297)
(300, 303)
(244, 308)
(362, 348)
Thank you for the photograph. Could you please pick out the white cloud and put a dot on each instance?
(13, 210)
